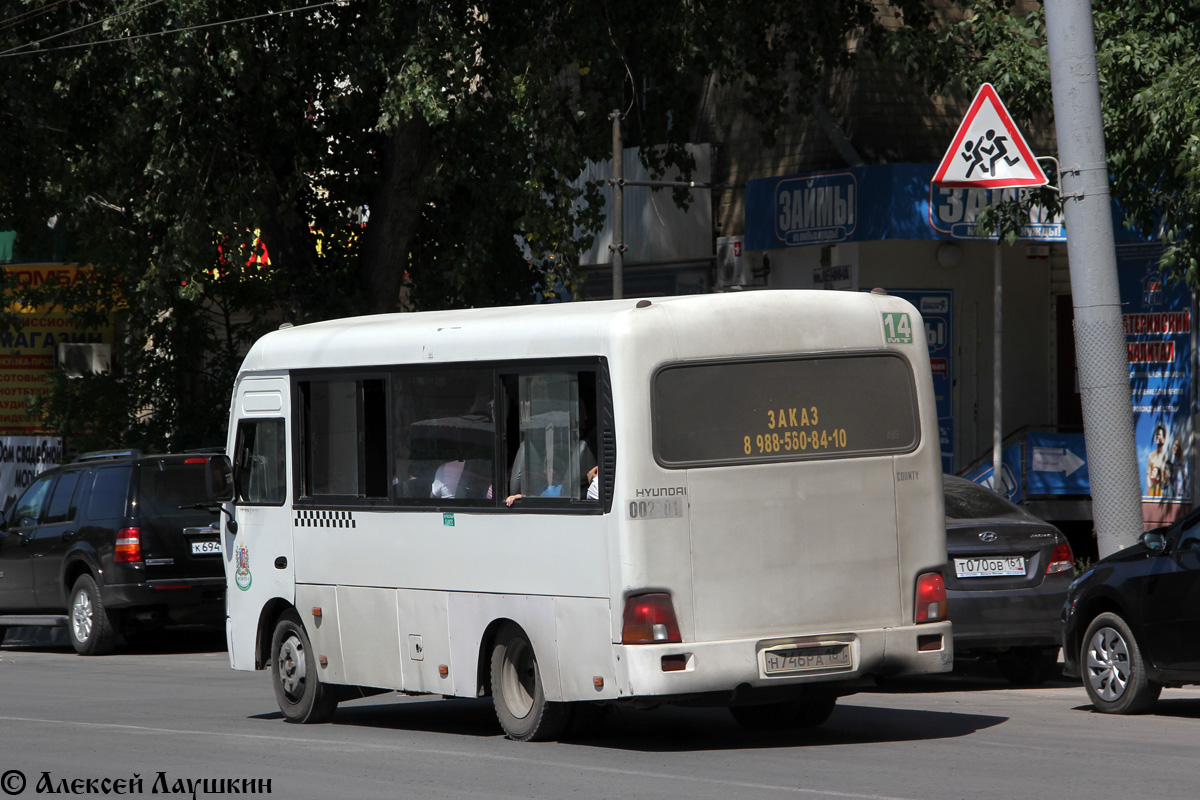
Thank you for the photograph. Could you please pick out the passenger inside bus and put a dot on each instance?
(444, 436)
(553, 457)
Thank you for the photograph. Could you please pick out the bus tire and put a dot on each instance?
(808, 711)
(301, 696)
(91, 626)
(517, 693)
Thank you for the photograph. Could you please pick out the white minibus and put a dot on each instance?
(729, 499)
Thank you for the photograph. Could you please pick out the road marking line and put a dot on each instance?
(796, 790)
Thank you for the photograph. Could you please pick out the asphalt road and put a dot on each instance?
(173, 707)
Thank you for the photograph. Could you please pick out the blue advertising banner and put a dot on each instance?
(1057, 464)
(937, 309)
(1158, 331)
(885, 201)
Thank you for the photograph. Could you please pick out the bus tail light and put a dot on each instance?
(650, 619)
(1062, 560)
(129, 546)
(931, 597)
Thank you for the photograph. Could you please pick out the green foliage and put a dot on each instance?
(1148, 55)
(91, 411)
(155, 132)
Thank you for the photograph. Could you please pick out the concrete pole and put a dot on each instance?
(1101, 353)
(618, 178)
(998, 373)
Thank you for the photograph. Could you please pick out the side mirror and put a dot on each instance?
(1154, 540)
(218, 479)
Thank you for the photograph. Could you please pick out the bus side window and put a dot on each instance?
(344, 425)
(443, 437)
(260, 466)
(552, 430)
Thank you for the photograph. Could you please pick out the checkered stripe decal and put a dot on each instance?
(324, 519)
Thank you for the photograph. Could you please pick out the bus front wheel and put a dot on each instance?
(521, 705)
(300, 694)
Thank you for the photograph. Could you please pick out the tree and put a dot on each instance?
(157, 129)
(1148, 54)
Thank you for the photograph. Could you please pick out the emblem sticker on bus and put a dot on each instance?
(241, 575)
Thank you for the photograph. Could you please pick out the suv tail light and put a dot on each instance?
(129, 546)
(1062, 560)
(931, 597)
(650, 619)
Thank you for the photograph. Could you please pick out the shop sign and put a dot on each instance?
(1157, 318)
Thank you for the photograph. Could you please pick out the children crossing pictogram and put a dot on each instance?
(988, 150)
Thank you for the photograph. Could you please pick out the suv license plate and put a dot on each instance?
(205, 548)
(806, 659)
(989, 566)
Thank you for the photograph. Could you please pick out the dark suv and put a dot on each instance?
(117, 541)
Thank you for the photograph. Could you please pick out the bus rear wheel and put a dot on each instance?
(301, 696)
(808, 711)
(521, 705)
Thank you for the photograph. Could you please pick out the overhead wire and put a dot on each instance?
(17, 19)
(13, 52)
(36, 45)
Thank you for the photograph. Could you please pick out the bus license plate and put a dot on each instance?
(989, 566)
(807, 659)
(205, 548)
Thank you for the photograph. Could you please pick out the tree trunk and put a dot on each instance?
(409, 161)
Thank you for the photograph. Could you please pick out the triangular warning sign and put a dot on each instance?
(988, 150)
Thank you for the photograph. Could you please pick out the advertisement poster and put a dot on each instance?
(937, 309)
(1157, 317)
(22, 458)
(27, 356)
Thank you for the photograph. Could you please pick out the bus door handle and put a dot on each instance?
(281, 562)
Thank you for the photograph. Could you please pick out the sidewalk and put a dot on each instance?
(41, 637)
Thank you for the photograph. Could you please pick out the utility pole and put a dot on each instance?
(618, 180)
(1101, 352)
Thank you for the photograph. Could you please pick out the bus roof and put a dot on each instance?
(767, 322)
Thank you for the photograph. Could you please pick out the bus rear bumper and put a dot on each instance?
(726, 666)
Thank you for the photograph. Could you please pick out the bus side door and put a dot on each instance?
(259, 555)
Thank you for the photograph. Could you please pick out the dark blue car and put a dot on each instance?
(1131, 623)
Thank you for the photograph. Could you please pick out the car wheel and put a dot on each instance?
(91, 625)
(1028, 666)
(517, 693)
(301, 696)
(3, 633)
(1114, 673)
(807, 711)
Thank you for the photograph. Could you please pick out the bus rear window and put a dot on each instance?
(791, 409)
